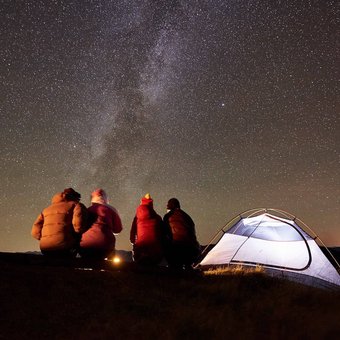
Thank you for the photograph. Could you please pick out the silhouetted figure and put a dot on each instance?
(183, 249)
(98, 242)
(147, 234)
(59, 226)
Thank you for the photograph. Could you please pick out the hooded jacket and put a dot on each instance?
(58, 226)
(146, 229)
(104, 222)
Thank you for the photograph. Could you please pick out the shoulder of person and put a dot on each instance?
(167, 215)
(81, 205)
(112, 208)
(187, 216)
(183, 212)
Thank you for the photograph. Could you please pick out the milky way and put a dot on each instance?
(226, 105)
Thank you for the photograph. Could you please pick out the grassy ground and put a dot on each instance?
(56, 302)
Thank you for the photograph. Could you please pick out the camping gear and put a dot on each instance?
(276, 241)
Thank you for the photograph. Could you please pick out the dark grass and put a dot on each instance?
(57, 302)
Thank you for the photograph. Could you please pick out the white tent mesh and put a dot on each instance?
(273, 242)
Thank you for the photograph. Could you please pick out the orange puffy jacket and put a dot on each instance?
(59, 224)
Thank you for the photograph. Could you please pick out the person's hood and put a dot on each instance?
(59, 197)
(99, 200)
(99, 196)
(147, 201)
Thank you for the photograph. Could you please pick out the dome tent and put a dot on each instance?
(275, 240)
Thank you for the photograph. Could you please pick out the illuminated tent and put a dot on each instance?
(276, 241)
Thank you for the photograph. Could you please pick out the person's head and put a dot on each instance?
(147, 200)
(173, 203)
(71, 195)
(99, 196)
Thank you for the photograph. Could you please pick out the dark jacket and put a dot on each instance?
(184, 248)
(182, 227)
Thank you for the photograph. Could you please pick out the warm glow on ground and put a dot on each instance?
(116, 260)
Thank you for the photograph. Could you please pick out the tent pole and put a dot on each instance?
(228, 223)
(323, 244)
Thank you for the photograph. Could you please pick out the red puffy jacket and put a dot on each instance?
(146, 231)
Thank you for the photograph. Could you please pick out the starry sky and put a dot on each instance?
(226, 105)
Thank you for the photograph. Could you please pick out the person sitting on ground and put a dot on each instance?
(184, 249)
(59, 226)
(147, 234)
(98, 242)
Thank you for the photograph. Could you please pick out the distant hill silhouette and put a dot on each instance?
(35, 257)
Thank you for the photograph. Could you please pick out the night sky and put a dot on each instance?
(226, 105)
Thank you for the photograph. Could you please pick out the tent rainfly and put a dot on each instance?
(275, 240)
